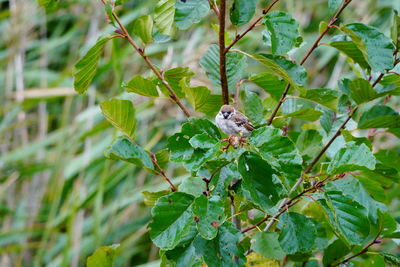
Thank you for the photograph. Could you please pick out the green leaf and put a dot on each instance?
(361, 91)
(334, 252)
(309, 142)
(123, 149)
(177, 77)
(279, 151)
(48, 4)
(350, 49)
(182, 150)
(194, 186)
(373, 187)
(102, 257)
(258, 180)
(172, 217)
(198, 97)
(164, 14)
(220, 251)
(351, 158)
(325, 97)
(375, 46)
(236, 64)
(190, 12)
(347, 217)
(242, 11)
(85, 68)
(253, 107)
(297, 233)
(284, 32)
(270, 83)
(334, 5)
(308, 114)
(286, 69)
(379, 117)
(390, 259)
(209, 215)
(267, 244)
(121, 114)
(390, 85)
(353, 189)
(202, 140)
(143, 27)
(141, 86)
(150, 198)
(184, 256)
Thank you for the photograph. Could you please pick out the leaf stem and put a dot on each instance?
(174, 98)
(307, 55)
(161, 172)
(222, 54)
(240, 36)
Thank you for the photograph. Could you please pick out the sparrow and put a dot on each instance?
(232, 122)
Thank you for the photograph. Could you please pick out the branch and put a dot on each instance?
(256, 225)
(162, 173)
(236, 98)
(174, 98)
(222, 58)
(208, 180)
(214, 7)
(287, 203)
(338, 132)
(312, 48)
(240, 36)
(375, 241)
(281, 100)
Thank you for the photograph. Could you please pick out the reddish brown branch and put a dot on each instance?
(307, 55)
(257, 224)
(240, 36)
(214, 7)
(281, 100)
(161, 172)
(375, 241)
(174, 98)
(222, 54)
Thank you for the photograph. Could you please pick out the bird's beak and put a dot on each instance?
(225, 115)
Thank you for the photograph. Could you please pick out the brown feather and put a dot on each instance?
(242, 120)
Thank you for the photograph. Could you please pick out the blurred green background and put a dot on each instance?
(60, 198)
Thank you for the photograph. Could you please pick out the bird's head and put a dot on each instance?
(227, 111)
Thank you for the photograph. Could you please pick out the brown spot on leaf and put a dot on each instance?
(215, 224)
(196, 219)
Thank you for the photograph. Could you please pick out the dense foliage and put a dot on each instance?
(315, 184)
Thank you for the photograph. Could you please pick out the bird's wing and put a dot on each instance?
(242, 121)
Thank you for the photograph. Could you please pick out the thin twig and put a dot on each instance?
(281, 100)
(236, 98)
(222, 54)
(161, 172)
(174, 98)
(235, 219)
(257, 224)
(240, 36)
(214, 7)
(307, 55)
(338, 132)
(375, 241)
(208, 180)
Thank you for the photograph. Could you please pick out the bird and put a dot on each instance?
(232, 122)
